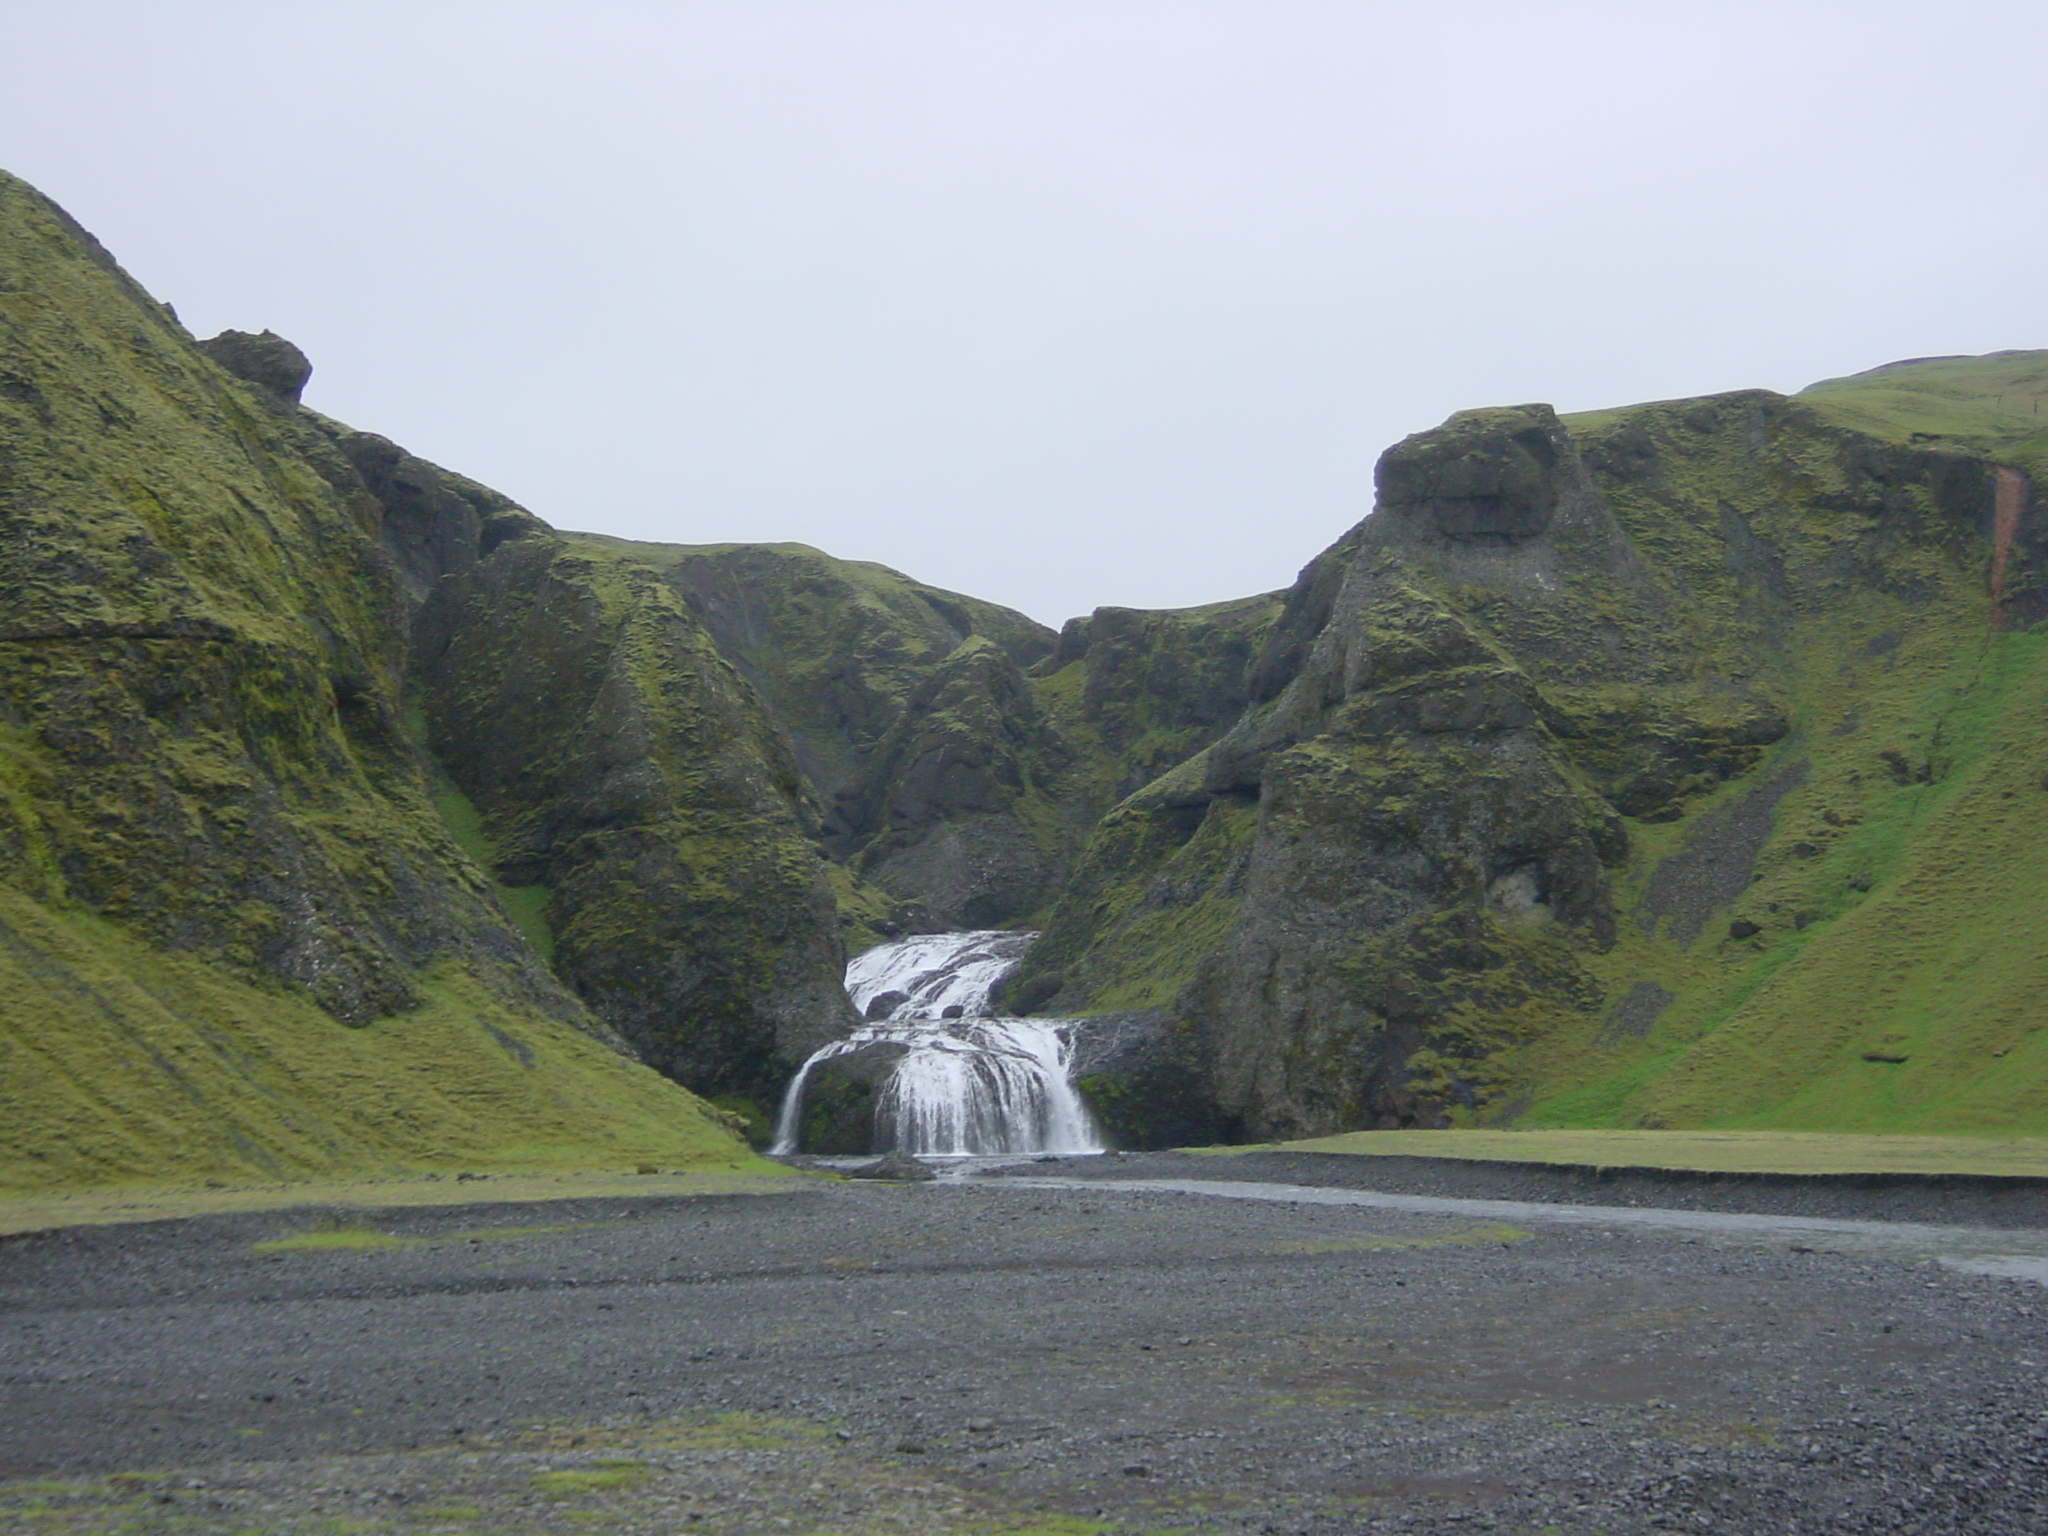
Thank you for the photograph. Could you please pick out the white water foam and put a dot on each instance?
(968, 1085)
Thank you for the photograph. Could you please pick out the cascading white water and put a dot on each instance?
(968, 1083)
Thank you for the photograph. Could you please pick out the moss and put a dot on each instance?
(1867, 989)
(367, 1239)
(603, 1475)
(1908, 1000)
(1487, 1235)
(836, 648)
(867, 915)
(1154, 893)
(525, 905)
(331, 1239)
(759, 1124)
(120, 1063)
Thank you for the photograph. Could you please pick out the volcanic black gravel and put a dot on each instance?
(985, 1355)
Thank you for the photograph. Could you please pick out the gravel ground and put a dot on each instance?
(991, 1356)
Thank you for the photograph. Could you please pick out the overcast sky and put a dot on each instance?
(1060, 304)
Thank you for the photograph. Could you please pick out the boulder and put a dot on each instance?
(898, 1166)
(264, 359)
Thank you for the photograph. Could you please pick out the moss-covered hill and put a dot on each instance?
(235, 938)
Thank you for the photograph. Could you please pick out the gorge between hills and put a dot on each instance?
(1678, 765)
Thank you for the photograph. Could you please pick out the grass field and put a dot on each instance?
(1702, 1151)
(165, 1202)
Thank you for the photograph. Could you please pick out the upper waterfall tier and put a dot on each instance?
(925, 976)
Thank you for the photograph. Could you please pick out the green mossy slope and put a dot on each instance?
(1134, 696)
(1874, 963)
(906, 710)
(121, 1062)
(212, 827)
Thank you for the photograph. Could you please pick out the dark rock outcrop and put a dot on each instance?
(899, 1167)
(841, 1096)
(266, 360)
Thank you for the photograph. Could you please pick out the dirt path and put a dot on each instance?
(991, 1356)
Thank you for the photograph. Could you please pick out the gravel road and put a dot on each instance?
(996, 1355)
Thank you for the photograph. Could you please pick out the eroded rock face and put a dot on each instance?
(936, 817)
(1426, 852)
(1488, 477)
(905, 708)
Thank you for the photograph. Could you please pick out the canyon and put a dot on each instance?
(1675, 765)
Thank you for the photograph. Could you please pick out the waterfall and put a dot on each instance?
(965, 1082)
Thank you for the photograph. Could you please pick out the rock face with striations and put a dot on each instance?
(622, 765)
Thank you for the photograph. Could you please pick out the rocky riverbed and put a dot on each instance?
(994, 1355)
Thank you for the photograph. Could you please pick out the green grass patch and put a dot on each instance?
(525, 905)
(604, 1475)
(1487, 1235)
(322, 1239)
(1995, 402)
(1707, 1151)
(334, 1239)
(122, 1064)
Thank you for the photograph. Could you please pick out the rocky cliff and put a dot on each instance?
(906, 709)
(1614, 771)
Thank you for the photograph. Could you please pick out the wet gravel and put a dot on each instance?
(988, 1355)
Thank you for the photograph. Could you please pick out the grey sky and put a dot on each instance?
(1060, 304)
